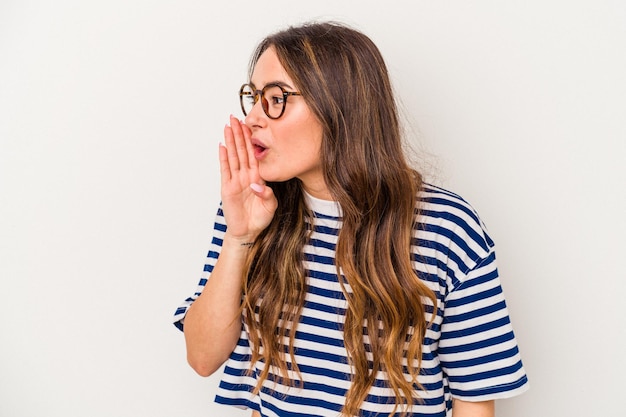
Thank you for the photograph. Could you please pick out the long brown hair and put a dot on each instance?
(343, 78)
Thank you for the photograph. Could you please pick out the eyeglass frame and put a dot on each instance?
(260, 94)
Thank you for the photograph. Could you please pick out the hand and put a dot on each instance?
(248, 204)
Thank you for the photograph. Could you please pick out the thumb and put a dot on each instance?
(262, 191)
(266, 194)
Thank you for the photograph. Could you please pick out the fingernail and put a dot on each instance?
(256, 187)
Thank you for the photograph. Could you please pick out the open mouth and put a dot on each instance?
(259, 151)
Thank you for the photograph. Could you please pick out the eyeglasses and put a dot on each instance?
(273, 99)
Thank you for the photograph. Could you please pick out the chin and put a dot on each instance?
(269, 177)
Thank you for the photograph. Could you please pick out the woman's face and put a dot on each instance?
(288, 147)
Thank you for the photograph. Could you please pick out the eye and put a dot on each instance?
(274, 96)
(277, 100)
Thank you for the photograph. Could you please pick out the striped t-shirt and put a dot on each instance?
(469, 352)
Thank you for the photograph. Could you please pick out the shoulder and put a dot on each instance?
(437, 202)
(452, 222)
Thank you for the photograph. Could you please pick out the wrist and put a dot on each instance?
(242, 242)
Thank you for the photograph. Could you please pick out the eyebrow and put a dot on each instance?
(279, 83)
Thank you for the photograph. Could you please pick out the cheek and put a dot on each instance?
(310, 146)
(313, 136)
(301, 133)
(302, 137)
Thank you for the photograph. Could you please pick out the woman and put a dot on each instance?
(343, 284)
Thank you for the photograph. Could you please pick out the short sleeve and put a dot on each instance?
(219, 228)
(477, 347)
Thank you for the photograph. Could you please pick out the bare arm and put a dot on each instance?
(212, 323)
(473, 409)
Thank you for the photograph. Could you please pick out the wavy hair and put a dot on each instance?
(344, 80)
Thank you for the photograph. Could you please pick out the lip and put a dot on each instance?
(260, 149)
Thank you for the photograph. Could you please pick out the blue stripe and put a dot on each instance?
(433, 189)
(235, 387)
(318, 259)
(476, 313)
(325, 217)
(236, 402)
(421, 414)
(377, 399)
(494, 341)
(481, 360)
(318, 243)
(322, 275)
(492, 390)
(450, 203)
(482, 279)
(240, 357)
(504, 321)
(323, 292)
(329, 341)
(325, 308)
(488, 374)
(281, 413)
(325, 230)
(483, 295)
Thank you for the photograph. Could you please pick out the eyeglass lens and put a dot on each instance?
(272, 100)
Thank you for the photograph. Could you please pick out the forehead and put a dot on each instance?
(268, 69)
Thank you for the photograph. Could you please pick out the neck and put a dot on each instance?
(319, 191)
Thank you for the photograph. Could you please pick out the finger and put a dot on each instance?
(233, 158)
(266, 194)
(224, 165)
(252, 162)
(240, 142)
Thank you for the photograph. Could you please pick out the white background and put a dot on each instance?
(110, 117)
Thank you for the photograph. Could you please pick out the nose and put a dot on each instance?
(256, 114)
